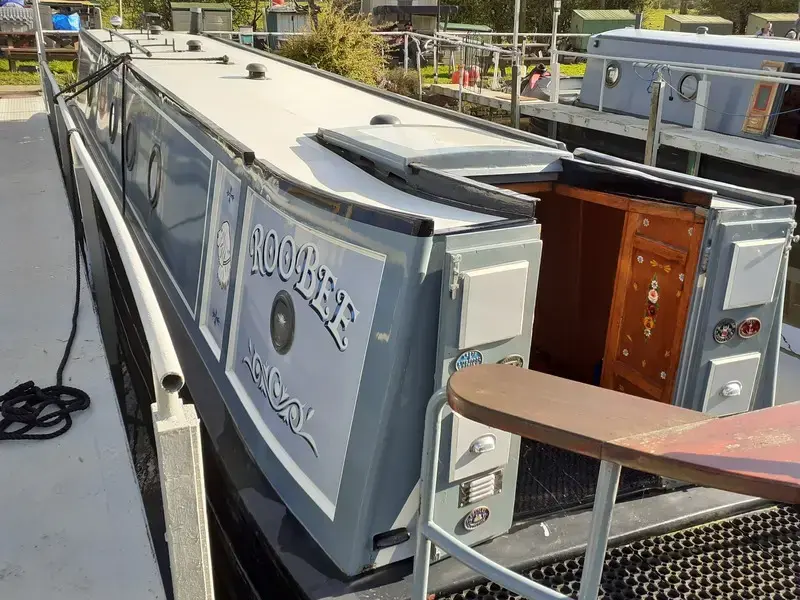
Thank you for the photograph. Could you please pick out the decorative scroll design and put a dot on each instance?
(269, 382)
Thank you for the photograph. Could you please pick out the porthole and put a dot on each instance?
(113, 122)
(687, 88)
(131, 134)
(154, 174)
(281, 322)
(612, 75)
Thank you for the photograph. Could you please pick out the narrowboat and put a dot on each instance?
(326, 254)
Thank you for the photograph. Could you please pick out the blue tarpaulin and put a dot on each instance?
(67, 22)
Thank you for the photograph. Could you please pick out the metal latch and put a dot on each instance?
(455, 275)
(485, 443)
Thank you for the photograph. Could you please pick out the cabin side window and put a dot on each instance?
(131, 135)
(612, 74)
(113, 122)
(154, 173)
(761, 102)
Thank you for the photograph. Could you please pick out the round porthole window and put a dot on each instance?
(154, 174)
(613, 74)
(281, 322)
(113, 122)
(131, 134)
(687, 88)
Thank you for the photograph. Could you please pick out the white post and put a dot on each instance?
(496, 76)
(435, 60)
(37, 22)
(654, 124)
(419, 69)
(555, 76)
(699, 121)
(461, 78)
(180, 467)
(515, 69)
(405, 52)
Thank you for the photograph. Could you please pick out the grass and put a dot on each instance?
(654, 17)
(62, 69)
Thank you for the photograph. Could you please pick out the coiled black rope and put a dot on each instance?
(27, 407)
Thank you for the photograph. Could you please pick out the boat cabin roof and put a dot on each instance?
(279, 118)
(753, 45)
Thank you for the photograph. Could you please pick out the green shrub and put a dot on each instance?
(401, 82)
(339, 43)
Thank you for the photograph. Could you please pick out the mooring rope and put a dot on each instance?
(27, 407)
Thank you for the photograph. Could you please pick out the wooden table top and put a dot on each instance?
(755, 453)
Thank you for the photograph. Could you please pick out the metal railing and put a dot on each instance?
(428, 532)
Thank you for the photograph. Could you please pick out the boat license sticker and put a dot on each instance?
(469, 358)
(514, 360)
(476, 517)
(749, 327)
(724, 331)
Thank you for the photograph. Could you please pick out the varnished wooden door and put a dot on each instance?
(655, 276)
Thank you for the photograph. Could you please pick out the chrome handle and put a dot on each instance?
(732, 388)
(485, 443)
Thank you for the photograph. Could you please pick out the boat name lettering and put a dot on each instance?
(315, 281)
(290, 410)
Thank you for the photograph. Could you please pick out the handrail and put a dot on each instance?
(164, 359)
(706, 69)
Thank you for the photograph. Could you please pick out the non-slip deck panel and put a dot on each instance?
(756, 555)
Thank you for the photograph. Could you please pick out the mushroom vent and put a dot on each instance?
(256, 71)
(194, 46)
(384, 120)
(702, 30)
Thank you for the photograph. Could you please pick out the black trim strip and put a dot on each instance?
(383, 218)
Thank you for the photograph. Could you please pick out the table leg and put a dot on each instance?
(604, 497)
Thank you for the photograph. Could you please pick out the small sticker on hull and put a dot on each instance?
(514, 360)
(476, 517)
(724, 331)
(749, 327)
(469, 358)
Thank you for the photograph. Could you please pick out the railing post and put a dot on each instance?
(604, 498)
(419, 68)
(461, 78)
(405, 52)
(432, 435)
(555, 74)
(435, 60)
(654, 124)
(496, 76)
(699, 121)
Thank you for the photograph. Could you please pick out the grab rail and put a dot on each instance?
(166, 367)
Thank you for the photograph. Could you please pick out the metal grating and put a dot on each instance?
(551, 479)
(753, 556)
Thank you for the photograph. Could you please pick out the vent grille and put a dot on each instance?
(480, 488)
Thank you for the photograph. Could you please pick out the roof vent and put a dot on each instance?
(156, 29)
(384, 120)
(702, 30)
(256, 71)
(194, 46)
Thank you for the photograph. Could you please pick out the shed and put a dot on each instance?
(284, 18)
(590, 20)
(782, 23)
(689, 23)
(217, 16)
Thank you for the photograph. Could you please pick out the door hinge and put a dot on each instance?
(791, 238)
(455, 275)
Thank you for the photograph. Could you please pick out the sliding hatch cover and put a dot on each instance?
(731, 347)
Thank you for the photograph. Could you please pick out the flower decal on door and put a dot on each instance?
(651, 307)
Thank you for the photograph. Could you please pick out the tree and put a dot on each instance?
(339, 42)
